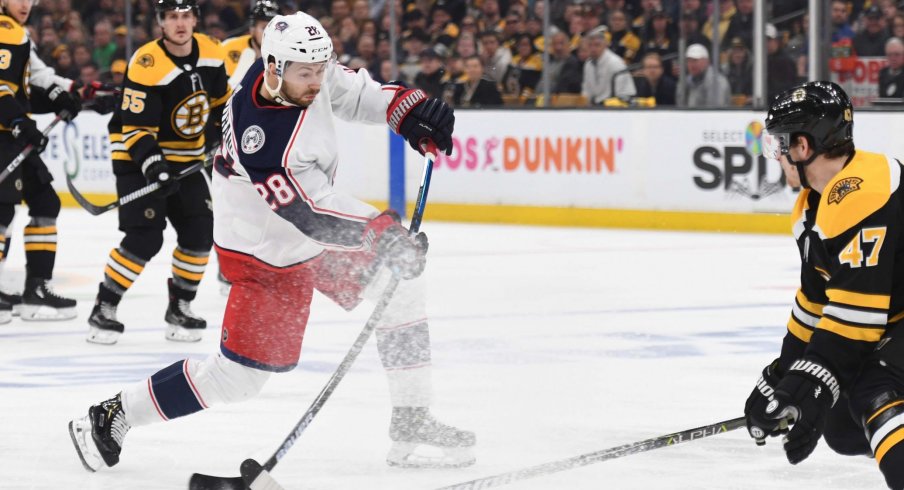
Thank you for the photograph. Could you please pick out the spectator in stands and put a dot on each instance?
(533, 26)
(490, 18)
(442, 30)
(366, 50)
(385, 74)
(62, 62)
(726, 12)
(738, 69)
(660, 37)
(705, 86)
(523, 74)
(891, 78)
(469, 24)
(690, 29)
(226, 14)
(889, 9)
(81, 55)
(695, 9)
(496, 57)
(781, 71)
(740, 25)
(430, 78)
(117, 72)
(623, 41)
(413, 45)
(605, 73)
(654, 83)
(871, 40)
(104, 47)
(641, 23)
(565, 71)
(476, 91)
(215, 30)
(89, 73)
(514, 27)
(466, 45)
(360, 11)
(897, 26)
(841, 27)
(339, 10)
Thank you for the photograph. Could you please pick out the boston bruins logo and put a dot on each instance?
(6, 24)
(235, 55)
(146, 60)
(842, 188)
(190, 115)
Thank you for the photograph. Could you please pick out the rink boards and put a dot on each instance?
(697, 170)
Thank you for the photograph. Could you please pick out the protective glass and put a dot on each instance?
(775, 144)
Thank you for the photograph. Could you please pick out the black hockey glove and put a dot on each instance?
(64, 103)
(156, 169)
(762, 394)
(417, 118)
(805, 395)
(26, 132)
(101, 97)
(402, 253)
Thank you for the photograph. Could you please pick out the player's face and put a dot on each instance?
(302, 81)
(178, 26)
(18, 9)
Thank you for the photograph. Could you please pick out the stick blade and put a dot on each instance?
(257, 477)
(209, 482)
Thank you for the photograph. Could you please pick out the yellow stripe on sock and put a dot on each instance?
(190, 258)
(117, 277)
(128, 264)
(187, 275)
(40, 247)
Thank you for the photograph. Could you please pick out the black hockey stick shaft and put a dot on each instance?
(13, 165)
(598, 456)
(95, 210)
(255, 475)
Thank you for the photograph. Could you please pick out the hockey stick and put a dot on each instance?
(596, 457)
(95, 210)
(13, 165)
(256, 476)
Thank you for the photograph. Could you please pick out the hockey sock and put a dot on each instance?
(40, 247)
(5, 239)
(188, 269)
(189, 386)
(120, 273)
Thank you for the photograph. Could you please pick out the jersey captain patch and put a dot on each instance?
(190, 115)
(252, 139)
(842, 188)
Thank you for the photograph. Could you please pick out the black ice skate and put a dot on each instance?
(105, 328)
(182, 324)
(420, 441)
(15, 300)
(98, 437)
(40, 302)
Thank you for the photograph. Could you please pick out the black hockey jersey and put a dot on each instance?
(852, 265)
(15, 50)
(168, 101)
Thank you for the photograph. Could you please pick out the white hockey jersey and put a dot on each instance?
(273, 195)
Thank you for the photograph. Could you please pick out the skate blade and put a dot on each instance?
(415, 455)
(78, 433)
(38, 313)
(182, 334)
(17, 309)
(6, 317)
(104, 337)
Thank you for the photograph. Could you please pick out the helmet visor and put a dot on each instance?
(775, 144)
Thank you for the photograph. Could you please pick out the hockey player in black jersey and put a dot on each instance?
(841, 370)
(172, 101)
(20, 67)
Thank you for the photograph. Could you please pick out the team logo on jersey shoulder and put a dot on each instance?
(281, 26)
(235, 55)
(252, 139)
(844, 187)
(146, 60)
(6, 24)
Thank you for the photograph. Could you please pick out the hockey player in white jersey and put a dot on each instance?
(282, 231)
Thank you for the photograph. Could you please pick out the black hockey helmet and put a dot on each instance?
(161, 6)
(264, 10)
(820, 110)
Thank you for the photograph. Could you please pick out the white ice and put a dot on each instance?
(547, 342)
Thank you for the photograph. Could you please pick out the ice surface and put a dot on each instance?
(547, 342)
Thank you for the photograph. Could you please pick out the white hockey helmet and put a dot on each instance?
(297, 37)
